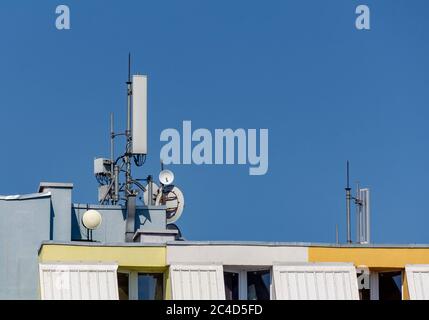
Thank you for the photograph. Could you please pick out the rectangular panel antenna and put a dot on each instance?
(139, 115)
(364, 217)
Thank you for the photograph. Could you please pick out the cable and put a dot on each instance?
(139, 160)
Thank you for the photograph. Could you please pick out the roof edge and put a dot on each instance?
(55, 185)
(25, 196)
(292, 244)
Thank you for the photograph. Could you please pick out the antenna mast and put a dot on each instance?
(128, 182)
(107, 171)
(348, 198)
(111, 189)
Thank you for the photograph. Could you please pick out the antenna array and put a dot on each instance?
(114, 190)
(362, 212)
(108, 171)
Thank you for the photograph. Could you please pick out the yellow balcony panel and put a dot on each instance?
(131, 256)
(372, 257)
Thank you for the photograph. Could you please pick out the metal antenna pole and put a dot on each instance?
(129, 96)
(128, 132)
(348, 198)
(112, 142)
(112, 153)
(358, 214)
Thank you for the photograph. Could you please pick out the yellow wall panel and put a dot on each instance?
(131, 257)
(384, 258)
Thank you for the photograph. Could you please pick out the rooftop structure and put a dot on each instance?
(49, 256)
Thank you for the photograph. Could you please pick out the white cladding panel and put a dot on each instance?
(240, 255)
(197, 282)
(78, 281)
(315, 282)
(139, 115)
(418, 281)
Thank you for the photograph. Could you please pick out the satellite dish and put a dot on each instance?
(155, 191)
(173, 199)
(91, 219)
(166, 177)
(174, 227)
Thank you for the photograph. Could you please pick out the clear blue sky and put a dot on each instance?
(326, 91)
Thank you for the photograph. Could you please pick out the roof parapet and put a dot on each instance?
(54, 185)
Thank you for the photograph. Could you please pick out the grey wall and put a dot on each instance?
(112, 228)
(61, 208)
(24, 224)
(27, 221)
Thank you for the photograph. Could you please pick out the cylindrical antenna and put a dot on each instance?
(129, 89)
(358, 215)
(348, 198)
(112, 158)
(150, 191)
(116, 176)
(348, 174)
(129, 66)
(112, 143)
(128, 132)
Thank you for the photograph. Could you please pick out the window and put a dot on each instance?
(386, 285)
(363, 277)
(247, 284)
(258, 285)
(364, 294)
(150, 286)
(123, 286)
(231, 285)
(390, 285)
(140, 286)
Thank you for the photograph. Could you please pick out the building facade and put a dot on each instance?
(46, 254)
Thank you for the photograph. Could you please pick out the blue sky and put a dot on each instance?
(326, 91)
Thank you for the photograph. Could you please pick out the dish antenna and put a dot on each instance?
(91, 220)
(166, 177)
(173, 199)
(174, 227)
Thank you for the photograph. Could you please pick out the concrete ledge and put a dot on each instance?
(54, 185)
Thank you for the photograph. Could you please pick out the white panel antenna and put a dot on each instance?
(139, 115)
(363, 216)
